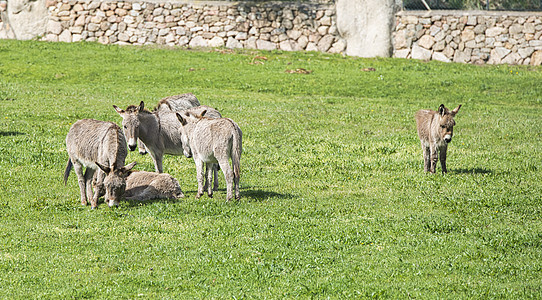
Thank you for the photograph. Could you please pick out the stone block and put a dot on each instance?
(420, 53)
(426, 42)
(265, 45)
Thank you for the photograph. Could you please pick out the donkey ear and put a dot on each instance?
(141, 106)
(203, 113)
(129, 166)
(456, 110)
(119, 111)
(442, 110)
(181, 119)
(106, 169)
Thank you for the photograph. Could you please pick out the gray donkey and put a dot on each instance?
(159, 130)
(178, 102)
(435, 130)
(142, 185)
(172, 103)
(212, 141)
(97, 144)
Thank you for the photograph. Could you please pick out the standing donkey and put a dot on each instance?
(435, 130)
(212, 141)
(159, 130)
(97, 144)
(172, 103)
(178, 102)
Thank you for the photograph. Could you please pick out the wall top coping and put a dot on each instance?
(224, 3)
(460, 13)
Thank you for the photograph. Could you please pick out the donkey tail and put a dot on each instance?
(237, 146)
(67, 171)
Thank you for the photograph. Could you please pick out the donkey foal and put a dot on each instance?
(142, 185)
(212, 141)
(435, 130)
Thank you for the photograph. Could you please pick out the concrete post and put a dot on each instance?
(367, 26)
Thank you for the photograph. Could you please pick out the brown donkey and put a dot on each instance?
(435, 130)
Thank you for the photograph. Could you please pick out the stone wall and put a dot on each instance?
(267, 26)
(477, 37)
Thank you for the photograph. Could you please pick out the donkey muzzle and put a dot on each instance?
(132, 147)
(448, 138)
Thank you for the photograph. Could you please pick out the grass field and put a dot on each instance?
(334, 200)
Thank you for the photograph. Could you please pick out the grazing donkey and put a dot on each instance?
(159, 131)
(212, 141)
(435, 130)
(142, 185)
(97, 144)
(177, 102)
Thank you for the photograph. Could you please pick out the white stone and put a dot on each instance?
(420, 53)
(198, 41)
(233, 43)
(440, 57)
(403, 53)
(426, 41)
(216, 42)
(265, 45)
(65, 36)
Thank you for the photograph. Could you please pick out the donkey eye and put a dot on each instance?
(125, 127)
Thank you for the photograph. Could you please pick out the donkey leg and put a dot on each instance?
(426, 155)
(78, 168)
(228, 174)
(98, 192)
(157, 159)
(215, 175)
(89, 177)
(141, 147)
(200, 170)
(209, 167)
(433, 159)
(442, 157)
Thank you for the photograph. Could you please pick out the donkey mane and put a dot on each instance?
(135, 109)
(163, 101)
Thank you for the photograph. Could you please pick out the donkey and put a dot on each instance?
(172, 103)
(142, 185)
(435, 130)
(177, 102)
(158, 130)
(97, 144)
(212, 141)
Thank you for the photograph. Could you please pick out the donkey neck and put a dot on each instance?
(149, 126)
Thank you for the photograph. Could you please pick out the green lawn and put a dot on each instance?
(334, 200)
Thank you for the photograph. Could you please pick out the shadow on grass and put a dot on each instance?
(11, 133)
(247, 195)
(472, 171)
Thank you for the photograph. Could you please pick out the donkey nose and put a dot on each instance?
(448, 139)
(132, 147)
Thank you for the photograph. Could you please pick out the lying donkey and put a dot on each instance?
(212, 141)
(159, 130)
(97, 144)
(435, 130)
(142, 185)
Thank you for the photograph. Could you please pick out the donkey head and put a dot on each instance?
(115, 182)
(187, 122)
(446, 122)
(130, 123)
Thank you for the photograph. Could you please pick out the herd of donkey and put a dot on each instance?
(181, 125)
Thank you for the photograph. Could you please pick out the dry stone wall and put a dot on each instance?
(266, 26)
(470, 37)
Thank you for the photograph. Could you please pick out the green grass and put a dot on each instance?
(334, 200)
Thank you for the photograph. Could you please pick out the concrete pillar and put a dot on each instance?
(367, 26)
(24, 19)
